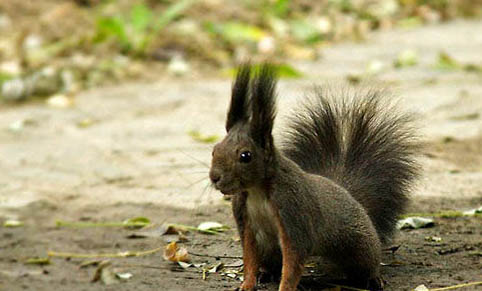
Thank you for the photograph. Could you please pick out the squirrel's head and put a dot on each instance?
(245, 157)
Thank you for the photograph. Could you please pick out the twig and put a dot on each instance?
(141, 266)
(192, 228)
(60, 223)
(346, 287)
(211, 256)
(458, 286)
(112, 255)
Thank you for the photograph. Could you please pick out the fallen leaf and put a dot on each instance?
(211, 226)
(104, 274)
(392, 249)
(19, 125)
(38, 261)
(90, 263)
(414, 223)
(169, 233)
(174, 253)
(200, 137)
(12, 223)
(393, 264)
(166, 228)
(136, 222)
(216, 268)
(433, 238)
(354, 78)
(86, 122)
(446, 62)
(421, 288)
(470, 116)
(60, 101)
(184, 265)
(473, 211)
(406, 58)
(123, 276)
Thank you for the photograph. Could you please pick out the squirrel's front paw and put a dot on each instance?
(247, 286)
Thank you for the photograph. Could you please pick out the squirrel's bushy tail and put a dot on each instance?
(363, 144)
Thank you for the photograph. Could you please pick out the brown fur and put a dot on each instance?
(250, 259)
(285, 209)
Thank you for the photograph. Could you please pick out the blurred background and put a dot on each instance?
(62, 47)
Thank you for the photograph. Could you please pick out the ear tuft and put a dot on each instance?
(263, 104)
(238, 109)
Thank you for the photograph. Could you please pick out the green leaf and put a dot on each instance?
(137, 222)
(305, 31)
(410, 22)
(283, 70)
(446, 62)
(12, 223)
(281, 7)
(112, 27)
(236, 32)
(198, 136)
(211, 226)
(287, 71)
(406, 58)
(141, 18)
(172, 12)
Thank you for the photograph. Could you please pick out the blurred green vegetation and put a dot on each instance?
(91, 42)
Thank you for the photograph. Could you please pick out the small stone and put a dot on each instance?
(10, 68)
(59, 101)
(32, 42)
(14, 90)
(44, 82)
(375, 67)
(323, 24)
(178, 66)
(5, 21)
(266, 45)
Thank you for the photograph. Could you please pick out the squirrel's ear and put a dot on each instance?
(263, 91)
(238, 109)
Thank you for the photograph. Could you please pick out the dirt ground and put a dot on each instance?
(125, 151)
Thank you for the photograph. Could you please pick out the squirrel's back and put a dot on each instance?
(364, 145)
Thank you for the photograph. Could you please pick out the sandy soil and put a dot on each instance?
(137, 159)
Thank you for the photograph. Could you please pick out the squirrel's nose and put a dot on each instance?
(214, 176)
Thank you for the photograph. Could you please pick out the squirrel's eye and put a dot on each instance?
(245, 157)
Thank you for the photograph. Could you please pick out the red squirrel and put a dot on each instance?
(333, 187)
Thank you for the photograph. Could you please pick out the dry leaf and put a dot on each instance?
(216, 268)
(174, 253)
(123, 276)
(100, 270)
(184, 265)
(415, 223)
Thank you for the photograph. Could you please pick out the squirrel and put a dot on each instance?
(333, 188)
